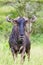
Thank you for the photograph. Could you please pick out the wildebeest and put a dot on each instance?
(19, 41)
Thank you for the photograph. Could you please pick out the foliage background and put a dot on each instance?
(21, 8)
(8, 7)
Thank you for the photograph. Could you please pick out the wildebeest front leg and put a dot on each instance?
(13, 53)
(23, 55)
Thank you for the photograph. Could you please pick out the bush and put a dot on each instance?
(37, 26)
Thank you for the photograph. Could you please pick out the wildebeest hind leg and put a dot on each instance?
(28, 54)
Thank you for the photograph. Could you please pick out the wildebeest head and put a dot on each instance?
(21, 24)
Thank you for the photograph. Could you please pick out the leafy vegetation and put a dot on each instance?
(24, 8)
(36, 55)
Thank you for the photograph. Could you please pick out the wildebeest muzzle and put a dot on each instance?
(21, 37)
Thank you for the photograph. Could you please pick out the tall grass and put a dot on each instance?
(36, 54)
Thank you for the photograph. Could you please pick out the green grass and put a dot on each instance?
(36, 54)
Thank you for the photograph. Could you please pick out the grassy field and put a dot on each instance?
(36, 54)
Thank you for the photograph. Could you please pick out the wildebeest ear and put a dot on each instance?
(15, 20)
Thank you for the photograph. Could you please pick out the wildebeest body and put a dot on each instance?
(16, 44)
(19, 39)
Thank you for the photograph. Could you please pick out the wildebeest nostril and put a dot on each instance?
(22, 35)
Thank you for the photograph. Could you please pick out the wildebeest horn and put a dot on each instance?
(9, 19)
(26, 19)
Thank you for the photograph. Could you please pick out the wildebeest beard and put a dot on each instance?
(20, 41)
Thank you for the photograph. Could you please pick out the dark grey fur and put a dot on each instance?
(17, 45)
